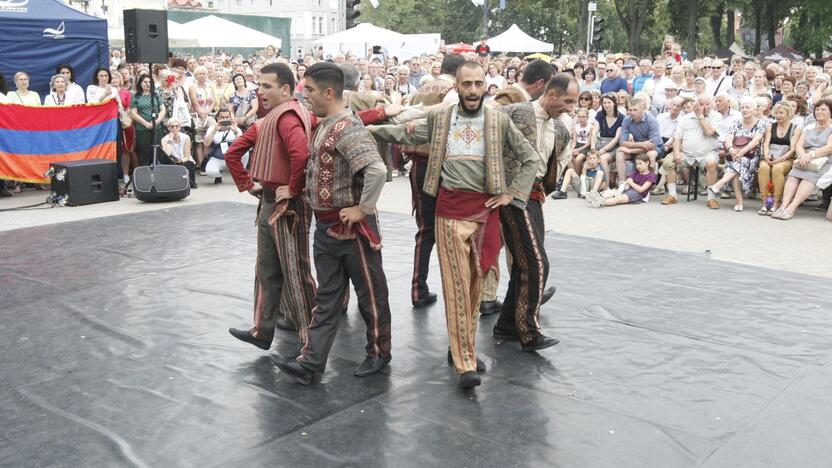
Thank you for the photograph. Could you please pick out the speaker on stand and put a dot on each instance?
(146, 36)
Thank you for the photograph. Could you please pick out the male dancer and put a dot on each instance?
(281, 150)
(524, 229)
(283, 275)
(466, 171)
(424, 205)
(344, 178)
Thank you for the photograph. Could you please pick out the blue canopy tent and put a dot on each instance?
(38, 35)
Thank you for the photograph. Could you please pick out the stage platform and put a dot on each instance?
(115, 352)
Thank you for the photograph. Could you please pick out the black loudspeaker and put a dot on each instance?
(161, 183)
(146, 36)
(84, 182)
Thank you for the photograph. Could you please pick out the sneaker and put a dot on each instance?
(658, 191)
(559, 195)
(217, 180)
(594, 199)
(394, 173)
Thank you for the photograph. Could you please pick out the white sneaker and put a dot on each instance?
(737, 208)
(394, 173)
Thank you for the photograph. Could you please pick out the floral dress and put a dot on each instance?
(746, 166)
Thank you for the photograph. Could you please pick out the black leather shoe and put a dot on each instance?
(480, 365)
(425, 301)
(194, 185)
(547, 294)
(490, 307)
(299, 373)
(372, 365)
(501, 334)
(824, 205)
(217, 180)
(540, 342)
(285, 324)
(469, 379)
(245, 335)
(559, 195)
(5, 193)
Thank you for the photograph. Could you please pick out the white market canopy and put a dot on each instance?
(360, 38)
(515, 40)
(178, 36)
(213, 31)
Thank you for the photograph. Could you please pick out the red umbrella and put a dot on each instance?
(459, 48)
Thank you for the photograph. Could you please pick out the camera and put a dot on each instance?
(225, 123)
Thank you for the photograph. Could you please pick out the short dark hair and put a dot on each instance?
(352, 76)
(587, 72)
(823, 102)
(283, 72)
(234, 77)
(451, 63)
(178, 63)
(68, 67)
(535, 71)
(99, 70)
(560, 83)
(327, 75)
(470, 64)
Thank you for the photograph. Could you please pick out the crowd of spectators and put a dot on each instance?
(749, 128)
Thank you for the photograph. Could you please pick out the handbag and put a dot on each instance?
(741, 142)
(124, 118)
(816, 164)
(181, 112)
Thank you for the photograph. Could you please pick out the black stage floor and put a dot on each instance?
(116, 353)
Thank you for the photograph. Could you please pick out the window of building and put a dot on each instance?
(321, 25)
(314, 24)
(332, 26)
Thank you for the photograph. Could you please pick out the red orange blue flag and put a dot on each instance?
(33, 137)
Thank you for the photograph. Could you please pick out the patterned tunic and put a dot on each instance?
(340, 148)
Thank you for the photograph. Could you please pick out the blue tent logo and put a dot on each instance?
(18, 6)
(55, 33)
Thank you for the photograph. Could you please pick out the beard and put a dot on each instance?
(464, 99)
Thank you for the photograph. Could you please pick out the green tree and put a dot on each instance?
(634, 15)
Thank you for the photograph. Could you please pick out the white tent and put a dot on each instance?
(213, 31)
(360, 38)
(178, 36)
(515, 40)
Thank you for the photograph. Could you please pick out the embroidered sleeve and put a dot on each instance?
(358, 147)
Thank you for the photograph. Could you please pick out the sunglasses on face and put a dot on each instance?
(586, 99)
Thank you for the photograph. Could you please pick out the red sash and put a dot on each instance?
(339, 230)
(464, 205)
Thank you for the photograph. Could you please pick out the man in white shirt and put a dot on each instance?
(667, 122)
(694, 142)
(719, 81)
(656, 86)
(730, 116)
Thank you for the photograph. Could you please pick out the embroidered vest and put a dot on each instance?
(270, 158)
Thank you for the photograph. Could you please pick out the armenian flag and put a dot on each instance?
(33, 137)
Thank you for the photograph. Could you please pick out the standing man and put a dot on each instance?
(416, 73)
(523, 228)
(424, 205)
(482, 48)
(719, 81)
(613, 82)
(657, 85)
(344, 179)
(530, 87)
(466, 171)
(283, 279)
(643, 77)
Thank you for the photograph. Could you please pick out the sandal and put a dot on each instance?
(786, 215)
(764, 211)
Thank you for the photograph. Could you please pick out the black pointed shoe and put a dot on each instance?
(429, 299)
(284, 323)
(547, 294)
(501, 334)
(490, 307)
(372, 365)
(469, 379)
(480, 365)
(540, 342)
(245, 335)
(299, 373)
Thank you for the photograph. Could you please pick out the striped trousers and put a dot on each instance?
(283, 278)
(461, 287)
(337, 262)
(523, 232)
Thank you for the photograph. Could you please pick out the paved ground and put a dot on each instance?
(800, 245)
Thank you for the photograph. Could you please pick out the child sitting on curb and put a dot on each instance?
(633, 190)
(590, 180)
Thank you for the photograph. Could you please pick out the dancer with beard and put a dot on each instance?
(344, 179)
(523, 228)
(280, 150)
(466, 172)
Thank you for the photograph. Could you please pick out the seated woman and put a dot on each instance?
(217, 140)
(609, 121)
(176, 147)
(813, 149)
(778, 156)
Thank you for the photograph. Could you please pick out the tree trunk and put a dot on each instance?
(730, 39)
(632, 14)
(582, 24)
(716, 30)
(771, 25)
(758, 27)
(692, 27)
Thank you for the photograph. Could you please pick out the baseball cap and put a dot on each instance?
(629, 65)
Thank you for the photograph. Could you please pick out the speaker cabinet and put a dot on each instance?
(146, 36)
(85, 182)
